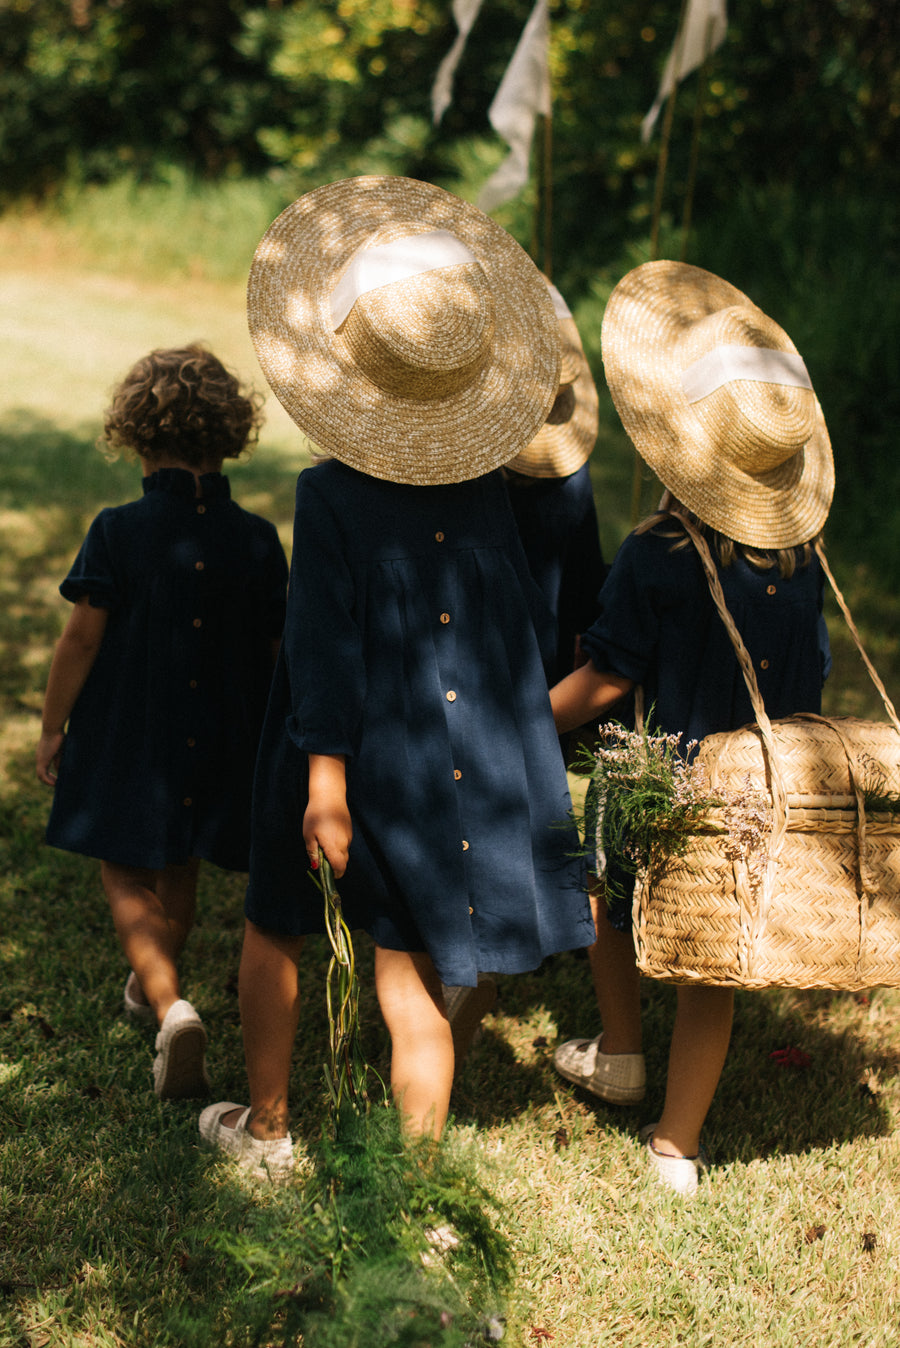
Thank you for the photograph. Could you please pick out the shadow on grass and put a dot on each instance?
(826, 1094)
(45, 465)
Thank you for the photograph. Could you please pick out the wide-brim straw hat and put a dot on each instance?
(405, 332)
(719, 404)
(564, 442)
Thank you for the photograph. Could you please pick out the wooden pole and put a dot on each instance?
(662, 164)
(702, 85)
(548, 198)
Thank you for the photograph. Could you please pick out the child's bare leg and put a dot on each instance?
(270, 1011)
(696, 1058)
(616, 980)
(412, 1003)
(141, 902)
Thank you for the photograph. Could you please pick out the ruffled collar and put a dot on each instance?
(180, 482)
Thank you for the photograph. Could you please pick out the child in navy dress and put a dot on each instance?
(552, 498)
(720, 406)
(409, 734)
(158, 684)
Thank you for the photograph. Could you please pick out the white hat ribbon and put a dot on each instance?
(371, 268)
(762, 364)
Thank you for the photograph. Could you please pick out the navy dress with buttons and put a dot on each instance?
(415, 644)
(658, 626)
(158, 759)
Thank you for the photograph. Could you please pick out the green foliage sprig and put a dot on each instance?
(347, 1073)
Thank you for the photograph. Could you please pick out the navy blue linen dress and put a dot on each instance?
(557, 521)
(659, 627)
(411, 647)
(157, 764)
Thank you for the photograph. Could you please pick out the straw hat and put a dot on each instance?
(719, 404)
(567, 437)
(403, 330)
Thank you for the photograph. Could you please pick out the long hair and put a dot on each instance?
(664, 521)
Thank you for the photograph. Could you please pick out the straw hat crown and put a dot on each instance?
(719, 404)
(403, 330)
(564, 443)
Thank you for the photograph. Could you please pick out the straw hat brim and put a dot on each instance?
(402, 439)
(643, 334)
(564, 442)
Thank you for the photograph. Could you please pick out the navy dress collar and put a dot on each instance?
(180, 482)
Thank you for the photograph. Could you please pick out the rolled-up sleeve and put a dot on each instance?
(92, 572)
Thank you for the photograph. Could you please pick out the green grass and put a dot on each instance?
(116, 1228)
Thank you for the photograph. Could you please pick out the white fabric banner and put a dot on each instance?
(370, 268)
(704, 28)
(524, 92)
(465, 12)
(762, 364)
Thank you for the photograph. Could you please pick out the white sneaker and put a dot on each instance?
(179, 1068)
(680, 1173)
(618, 1078)
(141, 1011)
(271, 1159)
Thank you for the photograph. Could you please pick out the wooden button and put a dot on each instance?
(198, 622)
(451, 696)
(764, 664)
(191, 742)
(456, 774)
(445, 617)
(439, 537)
(198, 566)
(201, 510)
(465, 845)
(770, 589)
(188, 801)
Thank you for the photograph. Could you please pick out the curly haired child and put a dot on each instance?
(158, 684)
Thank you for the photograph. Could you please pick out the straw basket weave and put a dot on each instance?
(826, 910)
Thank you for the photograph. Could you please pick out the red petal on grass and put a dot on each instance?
(790, 1057)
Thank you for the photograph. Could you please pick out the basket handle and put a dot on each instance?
(842, 604)
(776, 777)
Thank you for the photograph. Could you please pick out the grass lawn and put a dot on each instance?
(112, 1217)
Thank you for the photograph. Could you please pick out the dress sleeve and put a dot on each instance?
(93, 573)
(624, 638)
(322, 639)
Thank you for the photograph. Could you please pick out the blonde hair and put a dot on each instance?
(664, 521)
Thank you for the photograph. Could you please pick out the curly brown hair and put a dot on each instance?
(182, 403)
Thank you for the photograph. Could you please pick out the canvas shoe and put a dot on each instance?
(680, 1173)
(270, 1159)
(179, 1068)
(141, 1011)
(617, 1078)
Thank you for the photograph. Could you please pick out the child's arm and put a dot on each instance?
(326, 823)
(584, 695)
(72, 662)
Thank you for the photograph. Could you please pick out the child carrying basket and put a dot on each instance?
(720, 406)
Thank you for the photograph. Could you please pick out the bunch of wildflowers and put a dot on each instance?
(648, 797)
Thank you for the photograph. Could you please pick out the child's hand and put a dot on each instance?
(326, 823)
(48, 754)
(331, 830)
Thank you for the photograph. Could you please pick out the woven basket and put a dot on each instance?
(826, 911)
